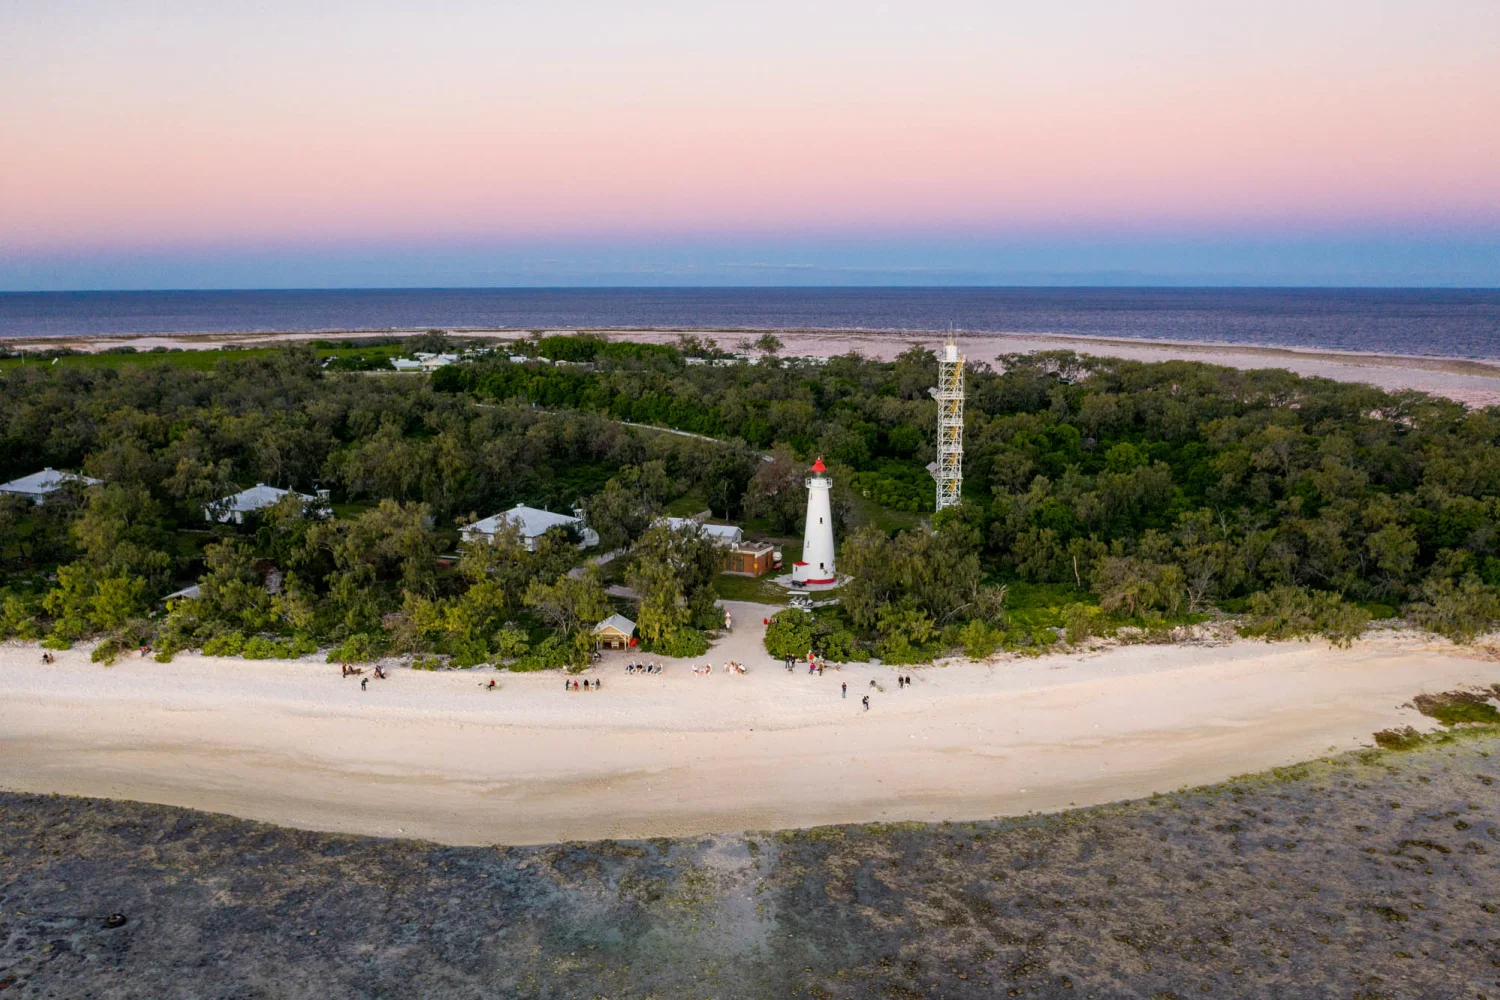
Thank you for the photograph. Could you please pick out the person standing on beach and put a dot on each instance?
(866, 701)
(844, 690)
(363, 683)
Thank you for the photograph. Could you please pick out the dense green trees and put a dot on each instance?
(672, 573)
(1134, 491)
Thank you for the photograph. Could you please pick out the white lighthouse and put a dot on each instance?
(816, 564)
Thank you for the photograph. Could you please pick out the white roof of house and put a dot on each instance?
(531, 522)
(46, 481)
(721, 532)
(619, 622)
(257, 497)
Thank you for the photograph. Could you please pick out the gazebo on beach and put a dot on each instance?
(614, 632)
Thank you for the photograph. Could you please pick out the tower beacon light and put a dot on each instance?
(948, 470)
(816, 565)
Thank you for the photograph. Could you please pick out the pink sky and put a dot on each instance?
(148, 125)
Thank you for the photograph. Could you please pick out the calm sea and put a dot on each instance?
(1455, 323)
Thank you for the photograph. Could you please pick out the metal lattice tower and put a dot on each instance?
(948, 470)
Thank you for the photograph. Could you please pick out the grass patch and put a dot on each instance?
(1457, 708)
(759, 590)
(1404, 738)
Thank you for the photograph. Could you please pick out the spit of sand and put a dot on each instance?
(437, 755)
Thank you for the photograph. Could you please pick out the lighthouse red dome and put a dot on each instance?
(818, 466)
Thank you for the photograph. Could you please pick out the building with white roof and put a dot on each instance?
(232, 509)
(36, 486)
(532, 523)
(727, 535)
(741, 558)
(423, 362)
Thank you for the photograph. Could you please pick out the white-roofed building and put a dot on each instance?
(727, 535)
(36, 486)
(532, 523)
(232, 509)
(741, 558)
(423, 362)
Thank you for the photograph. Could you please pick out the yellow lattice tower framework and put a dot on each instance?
(948, 470)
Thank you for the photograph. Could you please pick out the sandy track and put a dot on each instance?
(434, 755)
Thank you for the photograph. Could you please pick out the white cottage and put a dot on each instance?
(232, 509)
(36, 486)
(532, 523)
(726, 535)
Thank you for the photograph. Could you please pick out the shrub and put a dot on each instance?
(680, 642)
(107, 651)
(549, 654)
(362, 647)
(842, 646)
(790, 634)
(1462, 610)
(1079, 621)
(1298, 613)
(262, 648)
(979, 640)
(225, 644)
(18, 619)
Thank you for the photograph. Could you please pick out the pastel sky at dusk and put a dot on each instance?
(281, 144)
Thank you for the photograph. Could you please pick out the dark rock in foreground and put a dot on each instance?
(1368, 876)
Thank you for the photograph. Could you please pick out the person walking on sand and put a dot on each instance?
(866, 702)
(362, 682)
(844, 690)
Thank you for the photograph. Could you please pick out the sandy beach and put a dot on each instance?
(436, 755)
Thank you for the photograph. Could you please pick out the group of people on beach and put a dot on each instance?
(348, 670)
(815, 665)
(48, 658)
(588, 685)
(729, 668)
(643, 668)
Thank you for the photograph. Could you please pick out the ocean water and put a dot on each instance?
(1437, 322)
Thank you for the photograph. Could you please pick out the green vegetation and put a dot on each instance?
(1285, 612)
(1460, 707)
(1100, 494)
(368, 354)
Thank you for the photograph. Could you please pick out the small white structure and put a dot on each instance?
(726, 535)
(423, 362)
(816, 565)
(532, 523)
(232, 509)
(36, 486)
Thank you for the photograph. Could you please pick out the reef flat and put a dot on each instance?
(1368, 875)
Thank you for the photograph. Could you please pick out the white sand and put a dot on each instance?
(434, 755)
